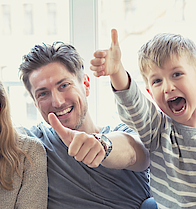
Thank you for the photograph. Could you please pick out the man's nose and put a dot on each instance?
(57, 99)
(168, 86)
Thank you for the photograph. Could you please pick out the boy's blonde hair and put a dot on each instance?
(164, 46)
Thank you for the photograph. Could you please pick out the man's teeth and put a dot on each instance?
(64, 111)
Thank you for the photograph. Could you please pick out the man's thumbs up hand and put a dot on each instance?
(82, 146)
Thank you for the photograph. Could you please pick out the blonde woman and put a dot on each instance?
(23, 166)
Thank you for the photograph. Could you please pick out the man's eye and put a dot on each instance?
(64, 85)
(42, 94)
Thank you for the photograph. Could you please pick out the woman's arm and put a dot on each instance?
(34, 188)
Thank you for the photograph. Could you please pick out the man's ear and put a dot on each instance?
(149, 92)
(87, 84)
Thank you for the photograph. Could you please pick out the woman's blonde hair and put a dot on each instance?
(9, 148)
(164, 46)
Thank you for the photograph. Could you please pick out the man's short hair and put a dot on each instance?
(42, 55)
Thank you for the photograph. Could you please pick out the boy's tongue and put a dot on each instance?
(177, 104)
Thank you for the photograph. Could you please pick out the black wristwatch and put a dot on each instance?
(106, 143)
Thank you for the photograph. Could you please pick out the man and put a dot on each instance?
(55, 79)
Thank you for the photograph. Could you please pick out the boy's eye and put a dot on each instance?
(156, 81)
(177, 74)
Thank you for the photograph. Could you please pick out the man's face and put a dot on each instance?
(56, 90)
(173, 88)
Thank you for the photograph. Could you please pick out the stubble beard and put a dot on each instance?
(82, 116)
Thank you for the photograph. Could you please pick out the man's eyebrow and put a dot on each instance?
(40, 89)
(57, 83)
(64, 79)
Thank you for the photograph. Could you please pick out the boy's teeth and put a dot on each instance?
(63, 112)
(173, 99)
(179, 110)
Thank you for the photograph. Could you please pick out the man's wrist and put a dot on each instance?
(106, 143)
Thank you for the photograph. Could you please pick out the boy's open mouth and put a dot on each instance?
(177, 104)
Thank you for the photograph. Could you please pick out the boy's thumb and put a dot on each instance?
(114, 36)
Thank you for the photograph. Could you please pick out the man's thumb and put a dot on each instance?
(63, 132)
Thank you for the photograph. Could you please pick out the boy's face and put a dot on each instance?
(56, 90)
(173, 88)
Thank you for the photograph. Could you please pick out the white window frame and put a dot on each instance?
(83, 35)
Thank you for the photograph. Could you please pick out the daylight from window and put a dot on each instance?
(137, 21)
(24, 23)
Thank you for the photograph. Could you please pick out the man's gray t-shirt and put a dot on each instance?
(73, 184)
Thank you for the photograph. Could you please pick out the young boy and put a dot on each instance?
(168, 66)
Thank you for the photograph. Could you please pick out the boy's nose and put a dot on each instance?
(168, 87)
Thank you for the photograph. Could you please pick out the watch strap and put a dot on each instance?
(106, 143)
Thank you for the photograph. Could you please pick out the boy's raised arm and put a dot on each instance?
(108, 62)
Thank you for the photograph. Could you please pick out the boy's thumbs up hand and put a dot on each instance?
(107, 62)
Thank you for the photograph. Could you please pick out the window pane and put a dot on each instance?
(137, 21)
(51, 9)
(24, 112)
(28, 19)
(6, 19)
(24, 24)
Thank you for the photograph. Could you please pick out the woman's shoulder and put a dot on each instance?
(30, 144)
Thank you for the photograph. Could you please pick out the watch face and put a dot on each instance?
(105, 139)
(106, 143)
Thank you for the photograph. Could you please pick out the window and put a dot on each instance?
(137, 21)
(51, 10)
(6, 19)
(23, 24)
(28, 19)
(86, 24)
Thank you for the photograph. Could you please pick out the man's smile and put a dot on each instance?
(64, 112)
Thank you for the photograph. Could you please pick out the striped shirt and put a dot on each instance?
(172, 148)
